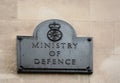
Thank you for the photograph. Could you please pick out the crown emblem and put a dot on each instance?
(54, 26)
(54, 34)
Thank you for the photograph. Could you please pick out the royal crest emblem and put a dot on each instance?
(54, 34)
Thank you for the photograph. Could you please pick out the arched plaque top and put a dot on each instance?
(54, 30)
(54, 48)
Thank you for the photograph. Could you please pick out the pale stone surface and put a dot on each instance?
(83, 29)
(103, 34)
(20, 17)
(47, 9)
(105, 10)
(117, 39)
(106, 64)
(106, 69)
(8, 9)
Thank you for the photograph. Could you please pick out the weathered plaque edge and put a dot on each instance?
(20, 69)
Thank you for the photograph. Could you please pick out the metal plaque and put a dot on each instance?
(54, 48)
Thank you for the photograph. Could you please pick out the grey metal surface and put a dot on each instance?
(54, 48)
